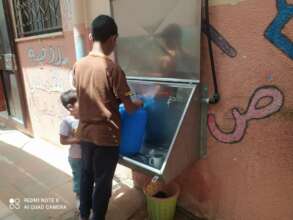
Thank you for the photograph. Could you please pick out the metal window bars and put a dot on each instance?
(34, 17)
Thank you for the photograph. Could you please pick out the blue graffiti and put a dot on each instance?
(274, 31)
(220, 40)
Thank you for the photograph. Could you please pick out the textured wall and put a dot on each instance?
(248, 172)
(46, 65)
(47, 62)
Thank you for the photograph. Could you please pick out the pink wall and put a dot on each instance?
(46, 63)
(248, 172)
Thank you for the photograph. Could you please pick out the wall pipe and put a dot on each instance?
(79, 11)
(215, 98)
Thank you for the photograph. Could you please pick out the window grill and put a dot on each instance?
(34, 17)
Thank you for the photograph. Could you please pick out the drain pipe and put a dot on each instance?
(215, 98)
(79, 30)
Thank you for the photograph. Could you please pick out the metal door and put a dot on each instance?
(8, 71)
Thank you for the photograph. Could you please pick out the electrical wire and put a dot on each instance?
(215, 98)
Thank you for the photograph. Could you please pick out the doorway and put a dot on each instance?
(13, 107)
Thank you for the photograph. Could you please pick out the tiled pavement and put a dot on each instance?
(35, 184)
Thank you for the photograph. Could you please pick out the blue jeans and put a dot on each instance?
(76, 173)
(97, 172)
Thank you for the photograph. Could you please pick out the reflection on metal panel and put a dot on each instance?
(159, 38)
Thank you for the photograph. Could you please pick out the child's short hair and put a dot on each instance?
(103, 27)
(68, 97)
(172, 31)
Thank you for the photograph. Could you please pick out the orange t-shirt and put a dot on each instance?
(100, 84)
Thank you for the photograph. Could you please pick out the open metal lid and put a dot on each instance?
(159, 38)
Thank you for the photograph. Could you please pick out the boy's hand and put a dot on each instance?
(76, 140)
(138, 103)
(130, 105)
(66, 140)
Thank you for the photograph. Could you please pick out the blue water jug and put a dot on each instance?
(132, 130)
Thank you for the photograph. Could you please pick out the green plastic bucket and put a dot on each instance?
(163, 208)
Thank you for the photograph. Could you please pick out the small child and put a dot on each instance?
(67, 131)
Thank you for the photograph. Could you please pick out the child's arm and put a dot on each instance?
(123, 92)
(66, 134)
(67, 140)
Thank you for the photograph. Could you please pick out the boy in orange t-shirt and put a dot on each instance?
(101, 86)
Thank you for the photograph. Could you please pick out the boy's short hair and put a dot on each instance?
(172, 31)
(68, 97)
(103, 27)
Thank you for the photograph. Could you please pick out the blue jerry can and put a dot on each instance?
(132, 130)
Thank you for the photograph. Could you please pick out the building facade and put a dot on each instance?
(46, 38)
(248, 170)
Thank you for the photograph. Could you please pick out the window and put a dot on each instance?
(34, 17)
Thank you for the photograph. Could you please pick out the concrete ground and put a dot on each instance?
(35, 184)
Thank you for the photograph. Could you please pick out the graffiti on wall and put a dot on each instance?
(44, 88)
(274, 31)
(253, 111)
(49, 80)
(220, 40)
(46, 113)
(51, 55)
